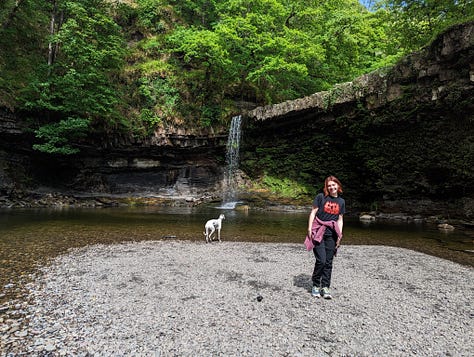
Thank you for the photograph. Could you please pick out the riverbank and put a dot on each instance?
(423, 211)
(182, 298)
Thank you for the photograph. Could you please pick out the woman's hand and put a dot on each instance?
(314, 210)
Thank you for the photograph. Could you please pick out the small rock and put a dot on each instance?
(445, 227)
(49, 347)
(14, 329)
(22, 333)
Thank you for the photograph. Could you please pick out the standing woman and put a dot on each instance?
(325, 230)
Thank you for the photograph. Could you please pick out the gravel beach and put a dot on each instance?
(183, 298)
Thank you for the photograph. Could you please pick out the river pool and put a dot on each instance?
(29, 238)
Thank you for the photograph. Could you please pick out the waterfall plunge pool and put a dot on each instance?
(30, 237)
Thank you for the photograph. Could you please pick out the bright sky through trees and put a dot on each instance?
(367, 3)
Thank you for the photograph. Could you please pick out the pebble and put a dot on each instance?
(23, 333)
(182, 298)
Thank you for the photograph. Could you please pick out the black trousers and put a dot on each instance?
(324, 254)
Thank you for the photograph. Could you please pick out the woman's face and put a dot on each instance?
(332, 188)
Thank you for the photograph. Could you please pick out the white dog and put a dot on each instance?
(211, 226)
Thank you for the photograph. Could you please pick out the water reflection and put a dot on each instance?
(29, 238)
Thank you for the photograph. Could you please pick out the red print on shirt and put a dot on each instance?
(331, 207)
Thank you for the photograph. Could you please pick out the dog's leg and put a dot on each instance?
(212, 231)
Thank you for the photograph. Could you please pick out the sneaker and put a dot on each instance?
(326, 294)
(316, 291)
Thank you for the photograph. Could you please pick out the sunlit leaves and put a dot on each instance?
(419, 21)
(194, 59)
(56, 136)
(199, 47)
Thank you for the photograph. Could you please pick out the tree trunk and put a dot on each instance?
(51, 48)
(12, 14)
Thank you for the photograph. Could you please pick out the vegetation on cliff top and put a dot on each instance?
(77, 66)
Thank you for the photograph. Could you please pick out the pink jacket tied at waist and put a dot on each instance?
(317, 232)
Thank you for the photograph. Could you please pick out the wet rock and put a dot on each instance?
(367, 217)
(445, 227)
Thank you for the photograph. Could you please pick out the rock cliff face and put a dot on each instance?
(400, 139)
(175, 163)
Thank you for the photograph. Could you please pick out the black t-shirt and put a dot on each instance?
(329, 208)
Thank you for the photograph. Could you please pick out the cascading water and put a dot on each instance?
(232, 164)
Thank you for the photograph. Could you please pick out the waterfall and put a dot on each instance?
(232, 163)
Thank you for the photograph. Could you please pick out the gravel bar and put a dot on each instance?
(183, 298)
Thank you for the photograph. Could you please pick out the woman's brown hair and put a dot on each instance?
(335, 179)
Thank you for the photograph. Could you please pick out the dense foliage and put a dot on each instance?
(75, 66)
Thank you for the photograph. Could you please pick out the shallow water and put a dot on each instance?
(29, 238)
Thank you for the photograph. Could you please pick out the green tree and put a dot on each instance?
(206, 63)
(197, 12)
(77, 86)
(418, 22)
(263, 51)
(287, 49)
(23, 28)
(190, 61)
(269, 59)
